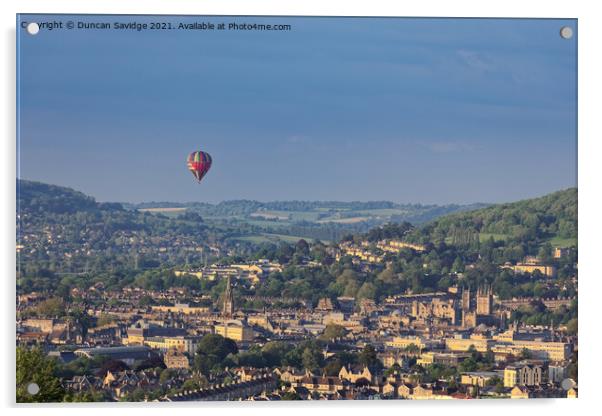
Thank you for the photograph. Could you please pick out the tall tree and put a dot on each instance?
(34, 367)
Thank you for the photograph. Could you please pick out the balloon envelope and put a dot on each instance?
(199, 164)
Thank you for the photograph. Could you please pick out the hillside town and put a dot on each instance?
(178, 343)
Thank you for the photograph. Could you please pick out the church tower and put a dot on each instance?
(484, 300)
(228, 305)
(465, 300)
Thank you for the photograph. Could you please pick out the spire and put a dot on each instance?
(228, 305)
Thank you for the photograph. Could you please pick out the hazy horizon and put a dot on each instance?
(299, 200)
(408, 110)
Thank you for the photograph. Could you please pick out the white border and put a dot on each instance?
(590, 34)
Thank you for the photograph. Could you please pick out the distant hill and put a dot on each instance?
(317, 212)
(52, 198)
(64, 230)
(550, 218)
(246, 220)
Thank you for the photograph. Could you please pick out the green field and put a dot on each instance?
(351, 217)
(483, 237)
(264, 223)
(349, 220)
(270, 238)
(293, 216)
(555, 241)
(168, 212)
(324, 209)
(343, 216)
(563, 242)
(497, 237)
(385, 212)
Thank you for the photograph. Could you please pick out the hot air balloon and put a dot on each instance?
(199, 164)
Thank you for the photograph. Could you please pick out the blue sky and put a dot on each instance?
(407, 110)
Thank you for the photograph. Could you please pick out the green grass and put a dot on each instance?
(496, 237)
(168, 212)
(327, 209)
(255, 239)
(271, 224)
(563, 242)
(483, 237)
(271, 238)
(384, 212)
(223, 217)
(346, 220)
(555, 241)
(292, 215)
(301, 215)
(348, 217)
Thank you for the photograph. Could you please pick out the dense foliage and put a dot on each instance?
(532, 221)
(34, 367)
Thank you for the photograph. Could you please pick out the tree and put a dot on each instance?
(474, 353)
(51, 307)
(394, 369)
(494, 381)
(138, 395)
(346, 277)
(145, 301)
(252, 359)
(387, 276)
(333, 367)
(545, 253)
(367, 291)
(311, 358)
(195, 383)
(572, 371)
(302, 248)
(525, 354)
(89, 396)
(368, 357)
(332, 332)
(458, 266)
(351, 289)
(274, 352)
(153, 362)
(212, 350)
(290, 395)
(113, 366)
(34, 367)
(215, 344)
(412, 349)
(434, 372)
(105, 319)
(468, 365)
(308, 354)
(167, 375)
(572, 326)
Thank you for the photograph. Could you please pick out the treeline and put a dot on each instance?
(389, 231)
